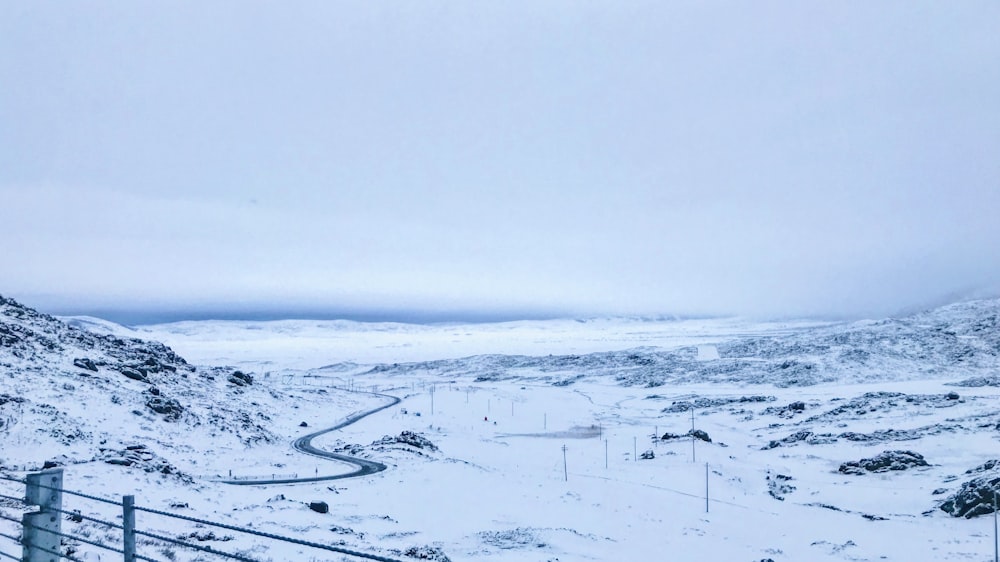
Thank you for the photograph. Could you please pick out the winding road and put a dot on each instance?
(304, 445)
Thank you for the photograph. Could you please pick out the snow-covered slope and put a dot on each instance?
(77, 395)
(873, 440)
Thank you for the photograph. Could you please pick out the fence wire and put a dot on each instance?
(178, 542)
(197, 547)
(98, 544)
(11, 537)
(19, 500)
(58, 555)
(10, 556)
(79, 494)
(270, 536)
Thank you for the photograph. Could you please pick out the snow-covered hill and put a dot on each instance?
(961, 340)
(873, 440)
(70, 395)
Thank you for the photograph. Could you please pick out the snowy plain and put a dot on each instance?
(537, 457)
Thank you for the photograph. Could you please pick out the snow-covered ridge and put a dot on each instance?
(957, 341)
(87, 395)
(312, 343)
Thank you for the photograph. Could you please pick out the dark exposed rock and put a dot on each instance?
(7, 398)
(696, 433)
(884, 435)
(975, 497)
(319, 507)
(787, 411)
(85, 363)
(702, 403)
(239, 378)
(648, 455)
(877, 403)
(877, 436)
(779, 486)
(987, 466)
(133, 374)
(408, 438)
(52, 463)
(700, 434)
(139, 456)
(975, 382)
(433, 553)
(169, 407)
(884, 462)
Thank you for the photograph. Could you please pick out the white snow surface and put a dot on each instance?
(537, 425)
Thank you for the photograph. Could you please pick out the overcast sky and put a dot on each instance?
(463, 159)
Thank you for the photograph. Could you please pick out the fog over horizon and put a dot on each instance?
(479, 160)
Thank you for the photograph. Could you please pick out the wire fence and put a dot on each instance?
(125, 533)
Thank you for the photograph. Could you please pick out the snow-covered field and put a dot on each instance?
(537, 427)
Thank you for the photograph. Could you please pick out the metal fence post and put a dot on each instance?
(42, 527)
(128, 527)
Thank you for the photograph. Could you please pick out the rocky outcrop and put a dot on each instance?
(85, 363)
(696, 433)
(976, 497)
(885, 461)
(779, 486)
(133, 374)
(433, 553)
(239, 378)
(408, 438)
(702, 403)
(786, 412)
(170, 409)
(139, 456)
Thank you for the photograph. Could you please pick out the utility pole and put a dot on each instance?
(692, 435)
(706, 487)
(565, 472)
(432, 399)
(605, 453)
(996, 545)
(635, 451)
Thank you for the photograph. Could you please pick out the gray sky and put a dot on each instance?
(510, 158)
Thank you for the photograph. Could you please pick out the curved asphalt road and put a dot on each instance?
(304, 445)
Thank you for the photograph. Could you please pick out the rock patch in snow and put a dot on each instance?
(884, 462)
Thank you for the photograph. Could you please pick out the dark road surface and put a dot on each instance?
(304, 445)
